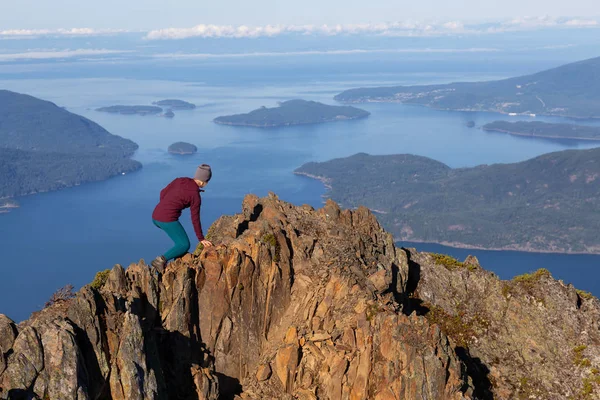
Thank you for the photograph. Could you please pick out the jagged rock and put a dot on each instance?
(286, 362)
(533, 337)
(205, 382)
(25, 362)
(8, 333)
(297, 303)
(63, 375)
(263, 372)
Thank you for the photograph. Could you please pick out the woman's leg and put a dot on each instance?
(178, 236)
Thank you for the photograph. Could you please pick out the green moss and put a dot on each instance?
(588, 388)
(211, 232)
(451, 263)
(585, 295)
(578, 359)
(585, 363)
(530, 389)
(506, 290)
(270, 240)
(533, 277)
(530, 281)
(372, 311)
(199, 249)
(100, 279)
(462, 328)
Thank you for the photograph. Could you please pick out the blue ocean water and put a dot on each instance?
(67, 236)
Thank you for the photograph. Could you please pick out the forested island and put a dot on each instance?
(572, 90)
(545, 130)
(182, 148)
(175, 104)
(293, 112)
(43, 147)
(131, 110)
(546, 204)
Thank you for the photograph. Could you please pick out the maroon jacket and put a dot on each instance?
(178, 195)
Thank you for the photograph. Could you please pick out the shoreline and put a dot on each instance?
(286, 125)
(575, 117)
(6, 207)
(520, 250)
(521, 134)
(326, 182)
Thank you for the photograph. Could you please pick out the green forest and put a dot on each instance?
(44, 147)
(549, 203)
(572, 90)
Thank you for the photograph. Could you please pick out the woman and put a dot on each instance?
(181, 193)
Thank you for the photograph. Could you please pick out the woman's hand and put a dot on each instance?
(206, 243)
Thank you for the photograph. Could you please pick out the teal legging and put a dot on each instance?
(178, 235)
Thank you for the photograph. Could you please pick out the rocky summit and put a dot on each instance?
(297, 303)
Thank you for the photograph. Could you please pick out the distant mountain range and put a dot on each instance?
(572, 90)
(44, 147)
(293, 112)
(549, 203)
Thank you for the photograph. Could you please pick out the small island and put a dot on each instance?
(169, 114)
(293, 112)
(175, 104)
(545, 130)
(131, 110)
(182, 148)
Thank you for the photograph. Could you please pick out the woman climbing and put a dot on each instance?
(181, 193)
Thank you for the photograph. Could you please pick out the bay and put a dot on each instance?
(67, 236)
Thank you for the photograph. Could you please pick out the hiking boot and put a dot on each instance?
(159, 264)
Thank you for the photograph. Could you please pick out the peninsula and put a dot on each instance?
(546, 204)
(44, 147)
(293, 112)
(545, 130)
(572, 90)
(131, 110)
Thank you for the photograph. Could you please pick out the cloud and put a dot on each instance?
(318, 52)
(57, 54)
(398, 28)
(532, 23)
(31, 33)
(405, 28)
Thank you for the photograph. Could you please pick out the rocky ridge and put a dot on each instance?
(295, 303)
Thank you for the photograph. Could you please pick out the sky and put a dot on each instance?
(158, 14)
